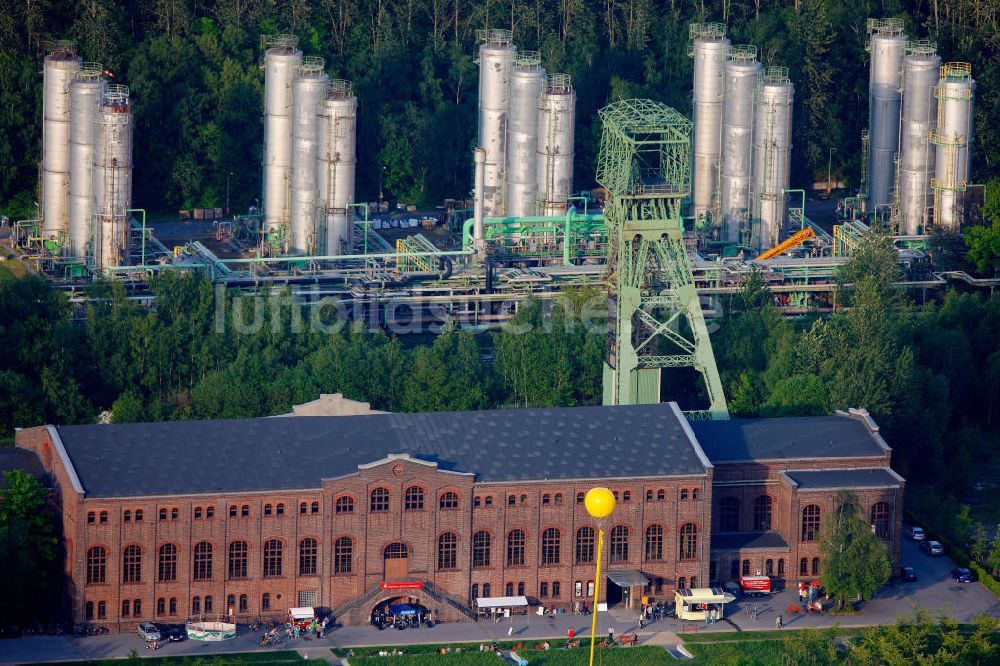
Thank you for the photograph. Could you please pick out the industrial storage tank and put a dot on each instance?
(86, 94)
(710, 49)
(556, 118)
(742, 70)
(59, 69)
(952, 138)
(308, 91)
(496, 58)
(887, 45)
(112, 178)
(280, 61)
(527, 82)
(916, 154)
(336, 166)
(772, 146)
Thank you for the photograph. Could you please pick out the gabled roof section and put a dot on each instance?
(250, 455)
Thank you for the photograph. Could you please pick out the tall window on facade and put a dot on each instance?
(244, 603)
(161, 606)
(132, 565)
(769, 567)
(804, 566)
(508, 589)
(551, 541)
(447, 551)
(414, 499)
(345, 504)
(208, 604)
(97, 565)
(173, 605)
(272, 557)
(265, 601)
(90, 610)
(515, 548)
(810, 523)
(729, 514)
(781, 567)
(619, 544)
(880, 519)
(203, 561)
(654, 542)
(762, 513)
(308, 549)
(746, 567)
(343, 549)
(102, 610)
(238, 552)
(268, 510)
(196, 605)
(481, 544)
(585, 545)
(815, 566)
(449, 500)
(689, 542)
(379, 500)
(166, 569)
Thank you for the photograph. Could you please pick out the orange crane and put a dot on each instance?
(794, 240)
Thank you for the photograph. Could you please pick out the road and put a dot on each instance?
(934, 590)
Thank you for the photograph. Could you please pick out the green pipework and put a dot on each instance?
(803, 194)
(347, 257)
(143, 211)
(573, 225)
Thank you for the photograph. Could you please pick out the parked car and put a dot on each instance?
(932, 548)
(916, 533)
(907, 574)
(149, 632)
(176, 632)
(963, 575)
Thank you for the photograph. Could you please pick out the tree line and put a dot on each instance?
(193, 68)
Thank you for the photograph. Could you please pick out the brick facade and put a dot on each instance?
(428, 510)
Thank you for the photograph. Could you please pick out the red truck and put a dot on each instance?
(755, 585)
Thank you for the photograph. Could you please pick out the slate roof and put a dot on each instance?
(227, 456)
(22, 459)
(737, 440)
(825, 479)
(729, 541)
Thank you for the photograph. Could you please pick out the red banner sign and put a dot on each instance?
(402, 585)
(756, 583)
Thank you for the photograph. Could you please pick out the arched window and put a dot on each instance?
(684, 493)
(127, 516)
(90, 610)
(449, 500)
(208, 604)
(265, 601)
(137, 608)
(102, 610)
(557, 498)
(769, 567)
(132, 565)
(161, 606)
(447, 551)
(380, 500)
(233, 511)
(475, 590)
(395, 551)
(166, 569)
(203, 561)
(520, 589)
(661, 495)
(314, 507)
(694, 582)
(815, 566)
(804, 566)
(414, 499)
(619, 544)
(343, 551)
(173, 605)
(579, 498)
(303, 507)
(238, 556)
(682, 583)
(308, 549)
(268, 509)
(488, 502)
(649, 495)
(138, 518)
(91, 517)
(244, 603)
(578, 588)
(543, 589)
(481, 546)
(659, 585)
(546, 498)
(509, 589)
(515, 548)
(551, 541)
(762, 507)
(280, 509)
(694, 495)
(477, 501)
(174, 514)
(244, 512)
(810, 523)
(729, 514)
(781, 567)
(486, 589)
(272, 558)
(746, 567)
(585, 545)
(654, 542)
(163, 514)
(97, 565)
(196, 605)
(880, 519)
(197, 513)
(345, 504)
(231, 603)
(627, 496)
(511, 500)
(689, 541)
(126, 606)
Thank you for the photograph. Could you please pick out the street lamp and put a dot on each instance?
(228, 176)
(599, 502)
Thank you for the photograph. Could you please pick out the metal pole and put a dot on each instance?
(597, 592)
(143, 211)
(227, 192)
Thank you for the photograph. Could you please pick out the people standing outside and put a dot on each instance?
(778, 622)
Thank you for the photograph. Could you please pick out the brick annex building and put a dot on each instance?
(165, 521)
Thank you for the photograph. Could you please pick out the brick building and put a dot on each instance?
(164, 521)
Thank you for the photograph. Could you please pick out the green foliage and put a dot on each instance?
(856, 563)
(29, 550)
(983, 243)
(926, 640)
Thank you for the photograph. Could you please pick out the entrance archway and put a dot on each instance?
(396, 560)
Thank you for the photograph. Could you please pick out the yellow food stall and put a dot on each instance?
(695, 604)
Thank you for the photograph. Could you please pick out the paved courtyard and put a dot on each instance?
(934, 590)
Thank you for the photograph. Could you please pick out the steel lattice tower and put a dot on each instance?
(658, 323)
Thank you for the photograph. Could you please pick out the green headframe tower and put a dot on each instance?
(657, 322)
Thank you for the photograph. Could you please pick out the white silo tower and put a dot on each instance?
(709, 48)
(59, 69)
(527, 82)
(308, 91)
(952, 138)
(86, 93)
(916, 154)
(280, 62)
(887, 45)
(338, 114)
(742, 70)
(772, 146)
(112, 178)
(556, 119)
(495, 58)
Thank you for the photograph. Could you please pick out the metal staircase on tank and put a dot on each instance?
(658, 322)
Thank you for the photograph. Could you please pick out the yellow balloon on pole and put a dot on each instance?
(600, 502)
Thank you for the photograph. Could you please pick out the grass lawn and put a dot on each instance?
(637, 656)
(255, 658)
(729, 636)
(749, 653)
